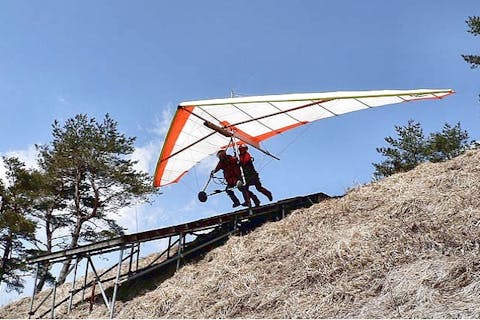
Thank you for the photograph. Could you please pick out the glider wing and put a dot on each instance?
(201, 128)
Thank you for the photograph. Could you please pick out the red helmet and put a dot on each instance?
(221, 153)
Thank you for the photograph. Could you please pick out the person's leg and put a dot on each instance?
(246, 196)
(262, 189)
(254, 197)
(234, 198)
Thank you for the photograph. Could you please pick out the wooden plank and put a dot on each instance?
(150, 235)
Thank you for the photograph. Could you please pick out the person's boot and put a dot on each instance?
(234, 198)
(246, 196)
(268, 194)
(255, 200)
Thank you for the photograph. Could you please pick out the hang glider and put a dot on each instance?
(201, 128)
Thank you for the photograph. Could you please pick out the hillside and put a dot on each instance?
(406, 246)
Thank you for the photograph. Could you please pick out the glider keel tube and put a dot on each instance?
(236, 134)
(229, 134)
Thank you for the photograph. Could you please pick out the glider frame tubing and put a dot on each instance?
(314, 100)
(326, 98)
(202, 195)
(230, 133)
(285, 111)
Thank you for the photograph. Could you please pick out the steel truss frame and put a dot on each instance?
(218, 227)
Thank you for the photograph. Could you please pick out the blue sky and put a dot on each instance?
(137, 60)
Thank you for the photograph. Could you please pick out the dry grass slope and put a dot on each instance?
(407, 246)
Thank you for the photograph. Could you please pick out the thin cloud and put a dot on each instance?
(141, 217)
(162, 122)
(62, 100)
(27, 156)
(146, 156)
(207, 165)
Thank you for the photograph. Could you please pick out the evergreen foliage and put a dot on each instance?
(405, 153)
(49, 206)
(16, 227)
(85, 177)
(474, 28)
(89, 172)
(448, 144)
(411, 148)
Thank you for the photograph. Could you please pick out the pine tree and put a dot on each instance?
(405, 153)
(448, 144)
(16, 227)
(474, 28)
(89, 162)
(49, 204)
(411, 148)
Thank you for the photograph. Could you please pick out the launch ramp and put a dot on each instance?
(186, 241)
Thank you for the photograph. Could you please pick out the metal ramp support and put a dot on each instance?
(207, 233)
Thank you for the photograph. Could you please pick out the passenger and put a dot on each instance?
(232, 174)
(251, 175)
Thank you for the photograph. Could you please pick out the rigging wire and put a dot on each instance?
(187, 185)
(232, 144)
(136, 217)
(300, 133)
(195, 174)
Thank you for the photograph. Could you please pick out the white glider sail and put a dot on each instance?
(201, 128)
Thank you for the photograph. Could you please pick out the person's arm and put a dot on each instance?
(245, 158)
(218, 167)
(232, 160)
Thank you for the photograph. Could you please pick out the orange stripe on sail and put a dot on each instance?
(176, 180)
(278, 131)
(181, 117)
(241, 134)
(255, 141)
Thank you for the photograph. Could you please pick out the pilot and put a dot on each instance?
(251, 175)
(233, 177)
